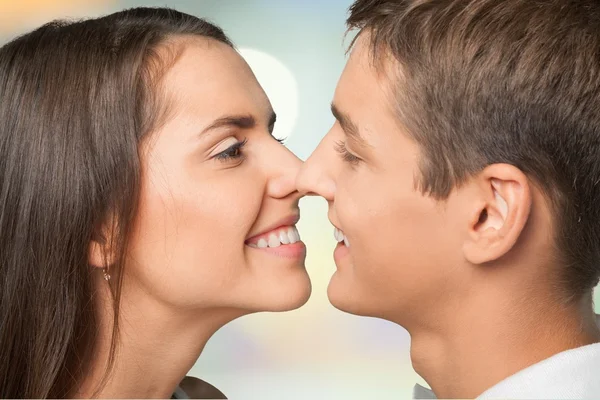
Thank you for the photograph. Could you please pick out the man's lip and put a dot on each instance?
(335, 225)
(287, 221)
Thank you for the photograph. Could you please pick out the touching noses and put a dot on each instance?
(315, 177)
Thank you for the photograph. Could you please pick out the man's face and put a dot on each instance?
(399, 245)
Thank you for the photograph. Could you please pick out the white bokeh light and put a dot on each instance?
(280, 85)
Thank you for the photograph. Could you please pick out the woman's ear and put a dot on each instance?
(500, 214)
(101, 251)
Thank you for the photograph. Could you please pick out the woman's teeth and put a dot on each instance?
(287, 235)
(340, 237)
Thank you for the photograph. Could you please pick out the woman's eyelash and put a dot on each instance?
(232, 152)
(282, 140)
(340, 147)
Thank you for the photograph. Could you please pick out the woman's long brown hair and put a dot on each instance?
(76, 98)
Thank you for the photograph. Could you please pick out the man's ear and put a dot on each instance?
(499, 215)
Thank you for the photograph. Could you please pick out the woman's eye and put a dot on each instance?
(348, 157)
(233, 152)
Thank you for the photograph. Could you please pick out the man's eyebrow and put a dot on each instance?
(349, 127)
(237, 121)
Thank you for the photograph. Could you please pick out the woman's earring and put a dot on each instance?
(106, 274)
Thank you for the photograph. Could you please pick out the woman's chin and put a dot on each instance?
(284, 297)
(293, 302)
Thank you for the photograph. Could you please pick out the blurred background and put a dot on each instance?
(297, 50)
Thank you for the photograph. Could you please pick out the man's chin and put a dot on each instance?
(344, 296)
(347, 295)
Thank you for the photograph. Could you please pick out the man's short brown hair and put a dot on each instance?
(480, 82)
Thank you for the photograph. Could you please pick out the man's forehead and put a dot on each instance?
(366, 94)
(362, 79)
(361, 49)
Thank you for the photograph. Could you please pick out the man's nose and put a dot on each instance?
(316, 174)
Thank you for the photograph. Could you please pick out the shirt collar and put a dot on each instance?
(571, 374)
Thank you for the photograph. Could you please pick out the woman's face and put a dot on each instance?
(218, 207)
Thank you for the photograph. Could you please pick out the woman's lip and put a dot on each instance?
(292, 250)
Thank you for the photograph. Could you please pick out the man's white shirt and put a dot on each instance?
(571, 374)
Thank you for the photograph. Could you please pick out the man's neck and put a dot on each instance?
(494, 337)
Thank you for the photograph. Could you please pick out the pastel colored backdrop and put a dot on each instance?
(297, 51)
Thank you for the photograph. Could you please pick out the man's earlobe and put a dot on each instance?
(500, 214)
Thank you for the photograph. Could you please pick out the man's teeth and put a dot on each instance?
(340, 237)
(288, 235)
